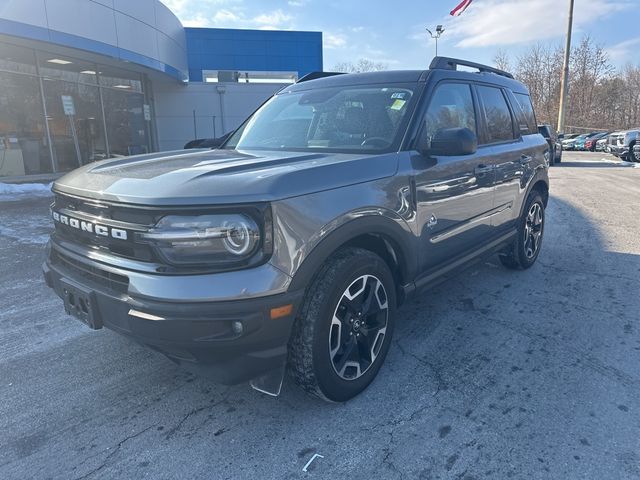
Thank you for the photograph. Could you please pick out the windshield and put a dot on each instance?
(345, 119)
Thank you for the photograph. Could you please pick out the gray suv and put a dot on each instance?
(292, 246)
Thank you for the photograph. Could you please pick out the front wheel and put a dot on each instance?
(524, 251)
(631, 157)
(344, 328)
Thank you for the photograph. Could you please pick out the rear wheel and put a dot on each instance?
(343, 332)
(525, 249)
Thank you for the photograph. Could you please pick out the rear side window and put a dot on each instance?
(451, 106)
(497, 114)
(527, 117)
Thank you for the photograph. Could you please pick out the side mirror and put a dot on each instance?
(449, 142)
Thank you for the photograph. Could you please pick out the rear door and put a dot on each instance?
(454, 194)
(506, 150)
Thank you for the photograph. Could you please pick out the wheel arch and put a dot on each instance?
(543, 187)
(378, 234)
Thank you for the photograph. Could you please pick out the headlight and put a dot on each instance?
(205, 239)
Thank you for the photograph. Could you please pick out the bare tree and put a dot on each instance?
(501, 60)
(599, 96)
(362, 65)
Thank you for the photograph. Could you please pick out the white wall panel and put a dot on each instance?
(167, 23)
(136, 36)
(145, 27)
(174, 106)
(82, 18)
(143, 10)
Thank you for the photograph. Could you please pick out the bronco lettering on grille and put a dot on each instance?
(90, 227)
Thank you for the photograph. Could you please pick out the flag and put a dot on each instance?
(456, 12)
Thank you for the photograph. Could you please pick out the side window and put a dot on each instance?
(451, 106)
(499, 121)
(528, 117)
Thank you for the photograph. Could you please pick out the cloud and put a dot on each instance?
(275, 18)
(495, 22)
(333, 40)
(227, 13)
(225, 16)
(623, 51)
(297, 3)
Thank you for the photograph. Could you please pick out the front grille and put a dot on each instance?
(132, 219)
(113, 281)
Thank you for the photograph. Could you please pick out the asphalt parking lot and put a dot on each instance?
(495, 374)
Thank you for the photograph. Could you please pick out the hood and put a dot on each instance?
(197, 177)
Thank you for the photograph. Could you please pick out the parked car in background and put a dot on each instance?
(570, 143)
(566, 136)
(624, 144)
(601, 145)
(581, 141)
(612, 139)
(207, 142)
(555, 147)
(590, 143)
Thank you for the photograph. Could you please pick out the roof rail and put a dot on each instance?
(316, 75)
(446, 63)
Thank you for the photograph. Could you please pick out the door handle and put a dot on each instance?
(483, 169)
(525, 159)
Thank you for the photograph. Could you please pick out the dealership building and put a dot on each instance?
(84, 80)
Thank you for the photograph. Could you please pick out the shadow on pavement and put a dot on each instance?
(493, 374)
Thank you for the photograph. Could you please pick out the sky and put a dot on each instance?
(393, 32)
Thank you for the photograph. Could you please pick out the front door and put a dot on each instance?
(454, 194)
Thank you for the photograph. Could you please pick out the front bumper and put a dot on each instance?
(619, 151)
(197, 335)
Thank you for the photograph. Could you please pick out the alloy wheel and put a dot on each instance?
(358, 327)
(533, 230)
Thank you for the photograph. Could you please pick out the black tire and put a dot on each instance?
(521, 254)
(312, 358)
(631, 157)
(558, 158)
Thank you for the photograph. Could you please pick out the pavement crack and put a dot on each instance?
(193, 412)
(440, 383)
(113, 452)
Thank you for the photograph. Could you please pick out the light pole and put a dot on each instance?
(436, 36)
(564, 85)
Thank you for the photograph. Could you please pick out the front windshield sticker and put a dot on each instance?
(397, 105)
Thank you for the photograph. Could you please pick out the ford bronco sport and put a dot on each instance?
(292, 246)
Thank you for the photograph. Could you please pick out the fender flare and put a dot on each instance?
(402, 242)
(538, 177)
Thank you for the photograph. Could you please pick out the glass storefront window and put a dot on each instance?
(68, 69)
(120, 79)
(23, 140)
(77, 134)
(128, 130)
(124, 112)
(79, 98)
(17, 59)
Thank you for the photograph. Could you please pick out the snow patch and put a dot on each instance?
(622, 163)
(17, 191)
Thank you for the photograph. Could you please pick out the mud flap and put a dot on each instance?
(271, 382)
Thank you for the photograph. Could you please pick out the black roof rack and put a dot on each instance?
(316, 75)
(446, 63)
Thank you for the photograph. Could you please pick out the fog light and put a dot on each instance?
(237, 327)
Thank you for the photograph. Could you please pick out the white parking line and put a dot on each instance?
(315, 455)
